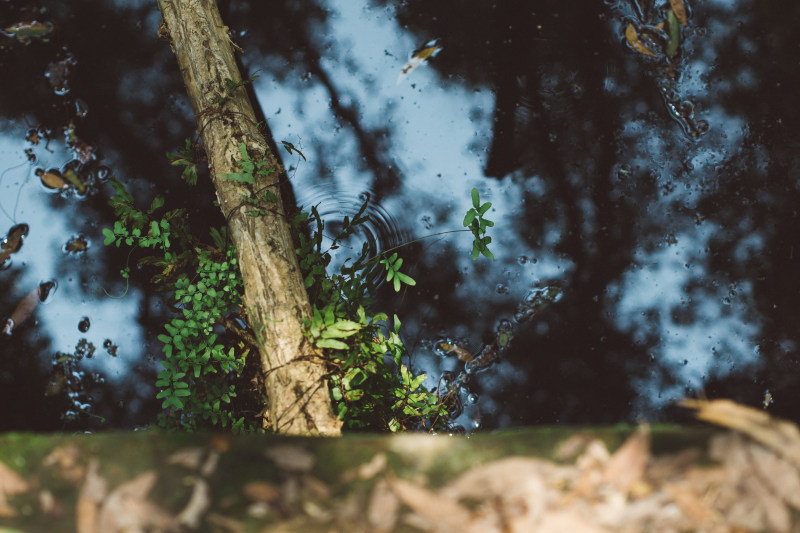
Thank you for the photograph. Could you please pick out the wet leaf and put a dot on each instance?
(680, 11)
(75, 180)
(12, 243)
(23, 310)
(635, 42)
(76, 244)
(27, 30)
(52, 179)
(419, 57)
(674, 34)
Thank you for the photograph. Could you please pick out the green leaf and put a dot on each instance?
(469, 217)
(476, 198)
(332, 344)
(484, 208)
(110, 237)
(408, 280)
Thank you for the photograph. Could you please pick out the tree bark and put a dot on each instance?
(275, 297)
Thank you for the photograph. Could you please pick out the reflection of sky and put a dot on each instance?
(41, 259)
(439, 143)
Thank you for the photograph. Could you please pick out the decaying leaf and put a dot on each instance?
(28, 303)
(11, 483)
(633, 40)
(680, 11)
(127, 508)
(52, 179)
(291, 458)
(674, 41)
(77, 244)
(93, 491)
(419, 57)
(382, 507)
(625, 469)
(198, 505)
(782, 437)
(24, 31)
(12, 243)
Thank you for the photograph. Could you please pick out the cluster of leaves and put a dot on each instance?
(184, 157)
(231, 87)
(199, 373)
(370, 385)
(477, 224)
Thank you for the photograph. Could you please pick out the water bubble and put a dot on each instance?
(81, 109)
(472, 398)
(427, 222)
(500, 288)
(522, 260)
(84, 324)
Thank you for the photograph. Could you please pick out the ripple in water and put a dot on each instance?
(381, 231)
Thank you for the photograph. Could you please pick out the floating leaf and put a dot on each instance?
(26, 306)
(635, 42)
(52, 179)
(27, 30)
(674, 34)
(680, 11)
(419, 57)
(12, 243)
(75, 180)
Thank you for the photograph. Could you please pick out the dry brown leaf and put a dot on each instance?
(11, 483)
(442, 514)
(53, 180)
(692, 506)
(261, 491)
(127, 508)
(199, 503)
(782, 437)
(382, 507)
(626, 467)
(190, 458)
(781, 477)
(91, 494)
(636, 43)
(680, 11)
(291, 458)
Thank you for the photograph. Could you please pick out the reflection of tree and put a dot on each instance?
(293, 35)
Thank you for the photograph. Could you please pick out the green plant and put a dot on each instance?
(372, 384)
(477, 224)
(200, 370)
(185, 157)
(231, 87)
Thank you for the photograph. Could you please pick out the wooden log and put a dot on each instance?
(276, 299)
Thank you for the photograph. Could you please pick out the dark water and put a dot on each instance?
(660, 194)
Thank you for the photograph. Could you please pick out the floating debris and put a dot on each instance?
(25, 31)
(58, 74)
(26, 306)
(84, 324)
(33, 136)
(419, 57)
(76, 245)
(52, 179)
(84, 152)
(11, 244)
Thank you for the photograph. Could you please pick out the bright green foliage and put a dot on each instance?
(393, 265)
(477, 224)
(250, 169)
(196, 366)
(370, 385)
(197, 383)
(185, 158)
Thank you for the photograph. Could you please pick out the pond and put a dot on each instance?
(638, 161)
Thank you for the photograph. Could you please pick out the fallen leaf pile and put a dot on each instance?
(745, 480)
